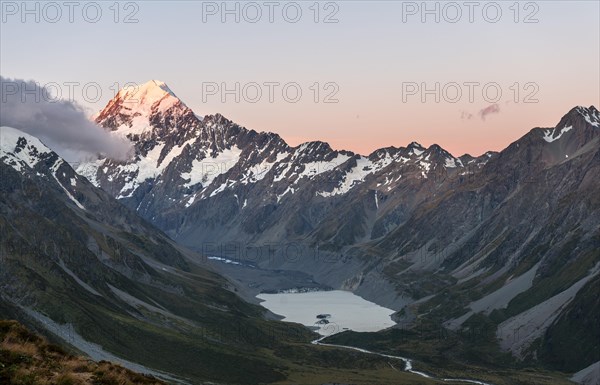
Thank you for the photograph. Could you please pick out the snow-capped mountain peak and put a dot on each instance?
(575, 121)
(19, 149)
(28, 155)
(147, 93)
(415, 145)
(591, 115)
(136, 109)
(186, 167)
(182, 159)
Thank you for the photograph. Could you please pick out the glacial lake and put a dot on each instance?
(343, 310)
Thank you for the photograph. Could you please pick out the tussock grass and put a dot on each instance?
(28, 359)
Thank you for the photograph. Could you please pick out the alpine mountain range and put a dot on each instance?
(498, 253)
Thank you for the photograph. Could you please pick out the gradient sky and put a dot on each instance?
(369, 53)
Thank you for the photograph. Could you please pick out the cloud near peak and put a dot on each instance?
(61, 124)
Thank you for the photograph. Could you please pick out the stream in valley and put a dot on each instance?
(331, 312)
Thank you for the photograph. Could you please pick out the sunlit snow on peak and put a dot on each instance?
(146, 94)
(19, 149)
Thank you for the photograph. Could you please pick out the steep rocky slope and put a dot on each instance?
(89, 274)
(511, 236)
(85, 270)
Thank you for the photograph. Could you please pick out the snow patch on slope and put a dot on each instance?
(207, 169)
(89, 171)
(354, 177)
(258, 172)
(19, 149)
(591, 115)
(311, 169)
(549, 134)
(53, 170)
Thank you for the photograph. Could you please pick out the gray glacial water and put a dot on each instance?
(347, 311)
(344, 311)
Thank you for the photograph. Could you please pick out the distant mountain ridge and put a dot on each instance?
(185, 166)
(508, 242)
(182, 160)
(439, 237)
(90, 275)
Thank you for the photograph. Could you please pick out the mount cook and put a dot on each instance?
(509, 238)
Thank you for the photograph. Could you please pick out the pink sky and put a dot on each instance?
(369, 53)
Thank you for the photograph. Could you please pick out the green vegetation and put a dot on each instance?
(550, 284)
(468, 354)
(572, 341)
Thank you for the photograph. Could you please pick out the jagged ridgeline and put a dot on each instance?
(93, 277)
(509, 238)
(87, 272)
(491, 261)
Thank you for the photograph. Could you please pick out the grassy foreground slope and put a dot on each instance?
(26, 358)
